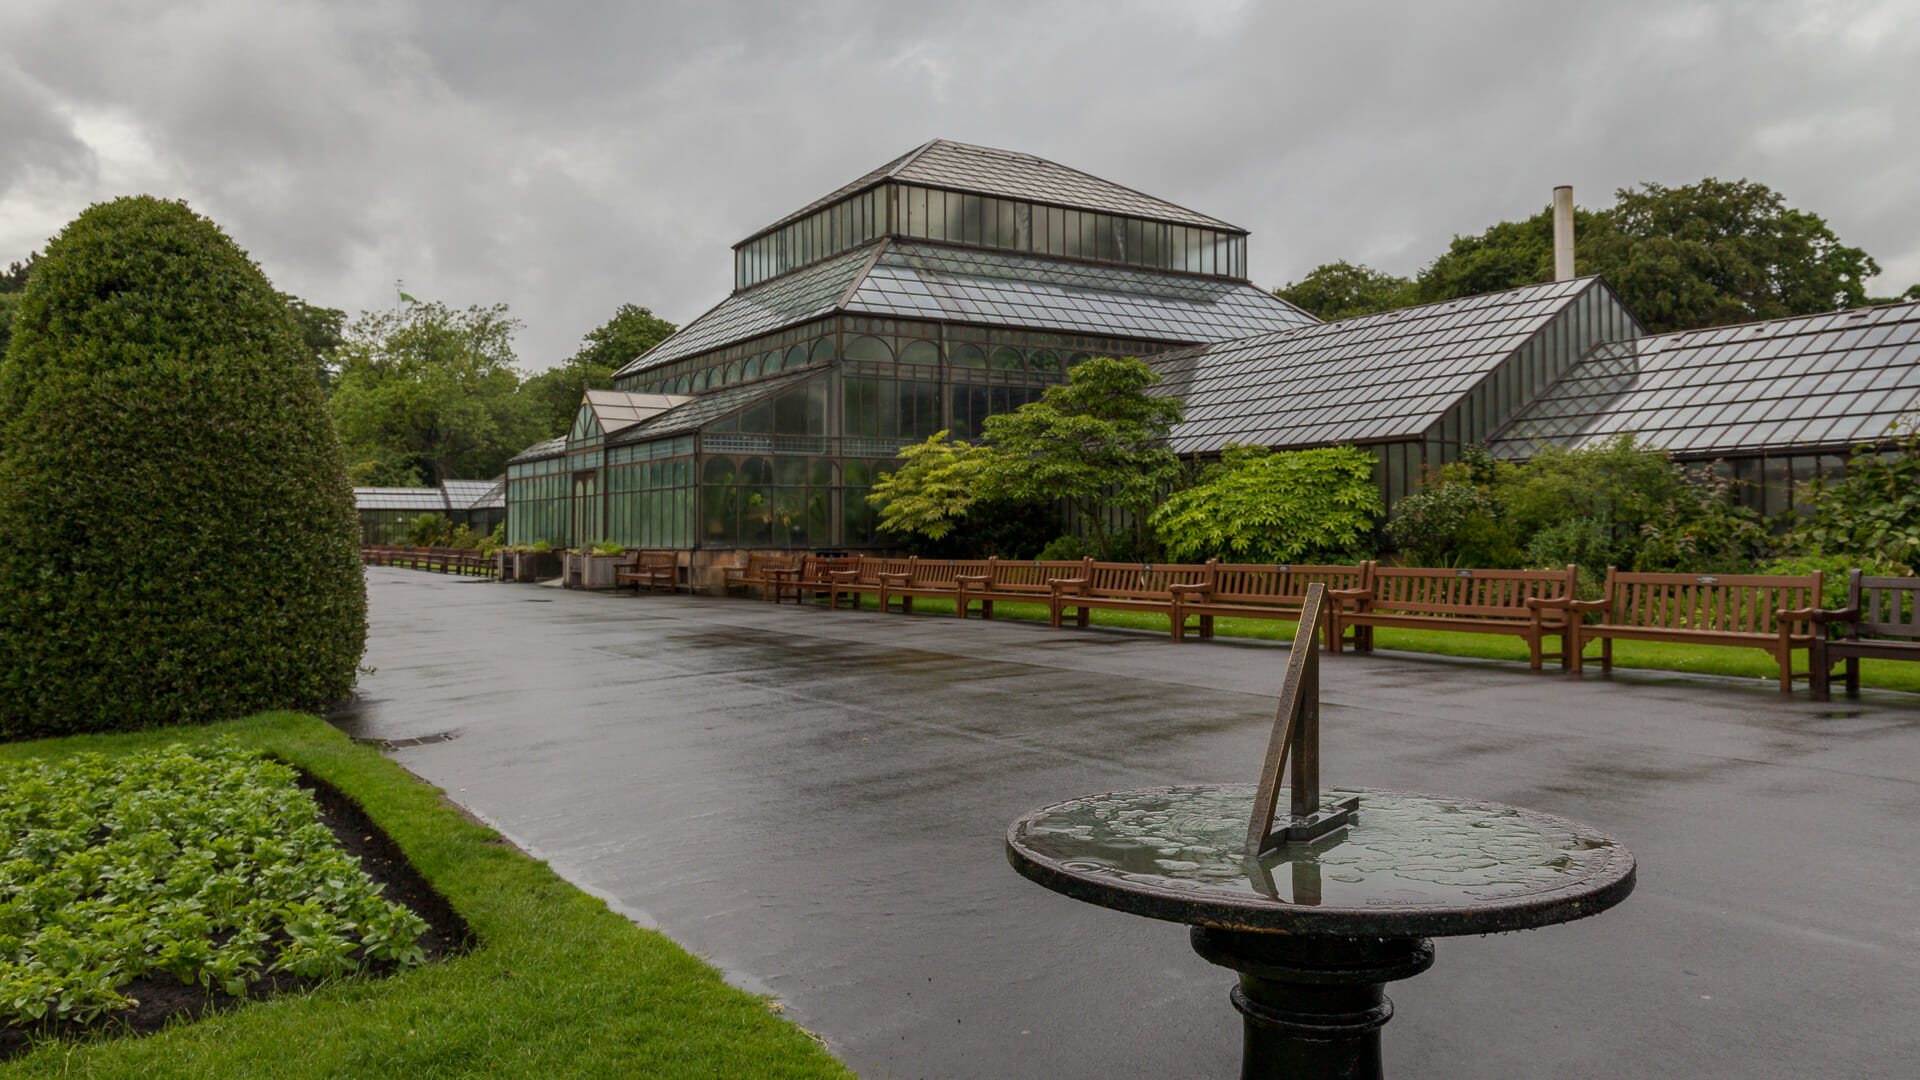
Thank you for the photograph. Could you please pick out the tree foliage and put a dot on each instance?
(429, 391)
(1341, 290)
(1258, 506)
(181, 539)
(555, 393)
(1097, 442)
(1712, 253)
(322, 332)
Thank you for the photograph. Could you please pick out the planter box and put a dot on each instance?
(533, 566)
(591, 571)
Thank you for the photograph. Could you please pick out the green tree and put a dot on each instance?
(554, 394)
(1258, 506)
(1098, 442)
(12, 283)
(423, 387)
(1341, 290)
(181, 540)
(322, 332)
(1706, 254)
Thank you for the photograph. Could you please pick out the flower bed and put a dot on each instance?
(207, 864)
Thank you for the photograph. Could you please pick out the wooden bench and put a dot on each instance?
(754, 574)
(1119, 587)
(931, 578)
(1016, 580)
(1529, 604)
(862, 577)
(657, 571)
(1257, 591)
(814, 576)
(1758, 610)
(1887, 607)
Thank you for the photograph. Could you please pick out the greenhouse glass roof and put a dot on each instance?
(450, 495)
(708, 407)
(936, 282)
(1366, 379)
(1814, 381)
(984, 170)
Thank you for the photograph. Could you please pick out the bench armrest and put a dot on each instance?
(1826, 615)
(843, 575)
(1201, 590)
(1066, 584)
(972, 579)
(891, 578)
(1589, 605)
(1350, 594)
(1799, 614)
(1556, 603)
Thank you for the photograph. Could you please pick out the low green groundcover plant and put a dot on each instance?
(207, 863)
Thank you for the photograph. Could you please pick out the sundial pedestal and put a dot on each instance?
(1312, 1007)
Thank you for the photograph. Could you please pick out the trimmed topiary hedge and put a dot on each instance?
(180, 542)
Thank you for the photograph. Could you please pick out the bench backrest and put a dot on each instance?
(871, 568)
(1141, 581)
(820, 568)
(1888, 606)
(1031, 573)
(1723, 603)
(656, 560)
(1477, 593)
(939, 572)
(1280, 582)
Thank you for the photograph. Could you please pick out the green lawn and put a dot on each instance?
(1654, 655)
(558, 986)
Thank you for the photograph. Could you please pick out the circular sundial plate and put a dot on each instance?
(1411, 865)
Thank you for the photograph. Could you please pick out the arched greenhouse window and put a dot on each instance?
(796, 357)
(822, 351)
(1044, 360)
(733, 372)
(868, 348)
(1006, 358)
(967, 356)
(920, 352)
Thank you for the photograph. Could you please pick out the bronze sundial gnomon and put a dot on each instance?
(1296, 741)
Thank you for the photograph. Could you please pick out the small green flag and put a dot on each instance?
(408, 299)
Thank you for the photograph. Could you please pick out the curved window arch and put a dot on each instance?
(867, 347)
(733, 372)
(796, 357)
(1079, 358)
(920, 352)
(967, 356)
(1006, 358)
(680, 385)
(858, 473)
(822, 351)
(700, 380)
(717, 470)
(1044, 360)
(820, 472)
(752, 370)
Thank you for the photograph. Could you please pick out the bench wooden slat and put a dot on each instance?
(1887, 608)
(1525, 603)
(1758, 610)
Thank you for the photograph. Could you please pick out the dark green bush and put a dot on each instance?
(181, 538)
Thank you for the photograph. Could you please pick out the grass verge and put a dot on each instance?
(1652, 655)
(558, 986)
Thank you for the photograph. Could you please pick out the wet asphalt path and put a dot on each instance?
(816, 801)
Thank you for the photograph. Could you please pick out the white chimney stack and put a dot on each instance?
(1563, 233)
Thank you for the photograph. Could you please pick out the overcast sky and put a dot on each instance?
(567, 158)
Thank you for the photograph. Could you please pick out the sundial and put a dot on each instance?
(1318, 907)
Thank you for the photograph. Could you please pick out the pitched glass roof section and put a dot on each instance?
(708, 407)
(616, 410)
(984, 170)
(795, 298)
(1366, 379)
(1813, 381)
(549, 448)
(928, 281)
(450, 495)
(933, 281)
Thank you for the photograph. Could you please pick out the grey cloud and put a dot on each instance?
(568, 159)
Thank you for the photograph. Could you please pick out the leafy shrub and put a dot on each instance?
(1700, 528)
(606, 547)
(1066, 549)
(1451, 523)
(1587, 542)
(1833, 586)
(1259, 506)
(208, 864)
(429, 530)
(1872, 513)
(181, 537)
